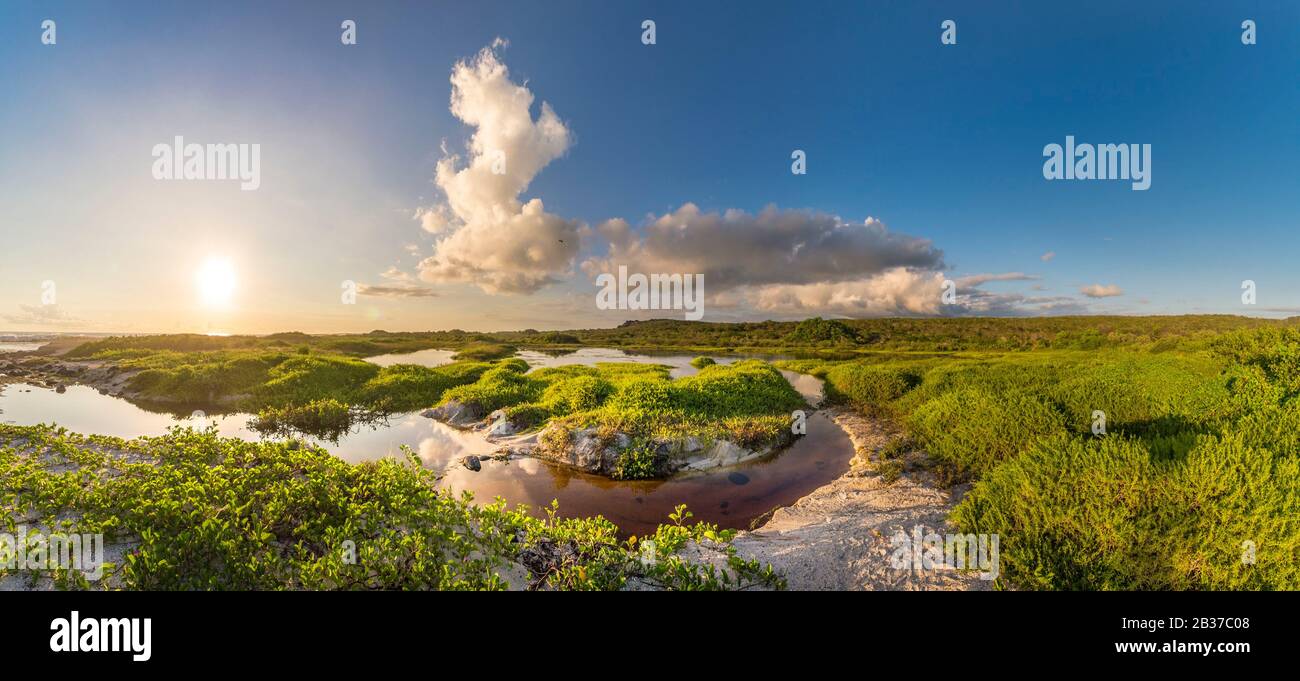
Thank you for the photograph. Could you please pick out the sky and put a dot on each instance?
(924, 161)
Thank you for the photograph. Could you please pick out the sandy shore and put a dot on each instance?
(838, 537)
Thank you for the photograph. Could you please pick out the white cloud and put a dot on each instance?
(1100, 291)
(488, 236)
(734, 248)
(1047, 257)
(975, 280)
(895, 291)
(901, 291)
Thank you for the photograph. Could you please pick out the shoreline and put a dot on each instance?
(838, 536)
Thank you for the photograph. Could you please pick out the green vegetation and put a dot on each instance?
(1199, 459)
(553, 338)
(299, 391)
(327, 418)
(701, 362)
(748, 402)
(813, 337)
(407, 387)
(485, 351)
(848, 337)
(196, 511)
(639, 461)
(818, 331)
(1199, 455)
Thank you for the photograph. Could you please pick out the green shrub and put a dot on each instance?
(818, 331)
(197, 511)
(970, 431)
(868, 384)
(328, 419)
(408, 387)
(484, 351)
(303, 379)
(1105, 514)
(639, 461)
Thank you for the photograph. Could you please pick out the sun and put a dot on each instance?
(216, 281)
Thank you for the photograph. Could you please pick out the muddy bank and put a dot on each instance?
(47, 372)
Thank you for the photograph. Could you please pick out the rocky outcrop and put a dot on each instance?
(455, 413)
(594, 451)
(587, 449)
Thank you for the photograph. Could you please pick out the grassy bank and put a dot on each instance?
(747, 402)
(1198, 463)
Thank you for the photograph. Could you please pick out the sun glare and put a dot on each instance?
(216, 281)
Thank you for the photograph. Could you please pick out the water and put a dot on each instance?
(18, 346)
(680, 365)
(427, 358)
(731, 498)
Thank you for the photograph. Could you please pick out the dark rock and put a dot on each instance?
(472, 463)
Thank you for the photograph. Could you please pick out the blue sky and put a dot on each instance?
(942, 143)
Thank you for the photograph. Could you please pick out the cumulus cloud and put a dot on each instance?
(735, 248)
(1100, 291)
(486, 234)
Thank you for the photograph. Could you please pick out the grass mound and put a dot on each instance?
(748, 402)
(481, 352)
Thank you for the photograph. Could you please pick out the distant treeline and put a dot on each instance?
(833, 335)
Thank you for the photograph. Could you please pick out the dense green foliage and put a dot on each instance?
(258, 379)
(407, 387)
(748, 402)
(818, 331)
(485, 351)
(196, 511)
(1200, 456)
(812, 336)
(328, 419)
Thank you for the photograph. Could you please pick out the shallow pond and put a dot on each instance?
(732, 497)
(18, 346)
(680, 365)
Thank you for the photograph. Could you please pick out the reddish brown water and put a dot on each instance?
(732, 497)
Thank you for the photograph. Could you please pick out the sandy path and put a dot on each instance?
(838, 537)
